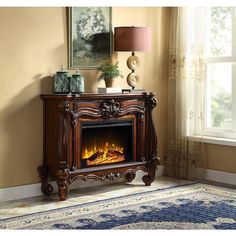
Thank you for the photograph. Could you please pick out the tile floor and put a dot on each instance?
(82, 195)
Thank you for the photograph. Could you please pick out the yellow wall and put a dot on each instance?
(220, 157)
(33, 45)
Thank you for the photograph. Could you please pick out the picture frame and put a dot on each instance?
(89, 37)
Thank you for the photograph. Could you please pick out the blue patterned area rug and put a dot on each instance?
(193, 206)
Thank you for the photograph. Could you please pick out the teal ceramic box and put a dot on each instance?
(77, 83)
(61, 82)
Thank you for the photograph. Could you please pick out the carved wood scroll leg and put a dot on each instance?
(130, 176)
(63, 180)
(148, 179)
(63, 192)
(151, 168)
(44, 175)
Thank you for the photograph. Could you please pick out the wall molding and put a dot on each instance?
(34, 190)
(220, 176)
(19, 192)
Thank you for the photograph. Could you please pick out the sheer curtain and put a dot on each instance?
(184, 158)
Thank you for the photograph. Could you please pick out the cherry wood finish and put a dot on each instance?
(63, 116)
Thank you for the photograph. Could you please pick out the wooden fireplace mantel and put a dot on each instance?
(63, 116)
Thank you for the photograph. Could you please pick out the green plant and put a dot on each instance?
(108, 70)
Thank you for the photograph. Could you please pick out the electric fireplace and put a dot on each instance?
(105, 143)
(97, 136)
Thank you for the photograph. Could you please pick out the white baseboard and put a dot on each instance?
(19, 192)
(220, 176)
(33, 190)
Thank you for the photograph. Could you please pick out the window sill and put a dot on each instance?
(213, 140)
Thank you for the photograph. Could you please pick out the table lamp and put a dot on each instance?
(132, 39)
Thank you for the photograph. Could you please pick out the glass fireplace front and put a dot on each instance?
(106, 143)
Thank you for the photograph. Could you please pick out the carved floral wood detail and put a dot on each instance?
(111, 176)
(109, 108)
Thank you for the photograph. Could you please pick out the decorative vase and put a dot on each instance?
(77, 83)
(61, 82)
(109, 82)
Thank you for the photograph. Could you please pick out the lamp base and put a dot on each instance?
(131, 79)
(132, 63)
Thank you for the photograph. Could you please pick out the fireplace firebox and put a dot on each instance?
(104, 143)
(97, 136)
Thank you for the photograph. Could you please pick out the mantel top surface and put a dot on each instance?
(96, 95)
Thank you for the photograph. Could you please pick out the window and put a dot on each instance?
(220, 83)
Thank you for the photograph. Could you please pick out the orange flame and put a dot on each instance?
(108, 153)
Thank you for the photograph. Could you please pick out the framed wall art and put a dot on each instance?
(90, 37)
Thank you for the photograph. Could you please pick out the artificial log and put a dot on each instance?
(64, 115)
(98, 158)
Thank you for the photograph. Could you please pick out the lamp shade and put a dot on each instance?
(132, 39)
